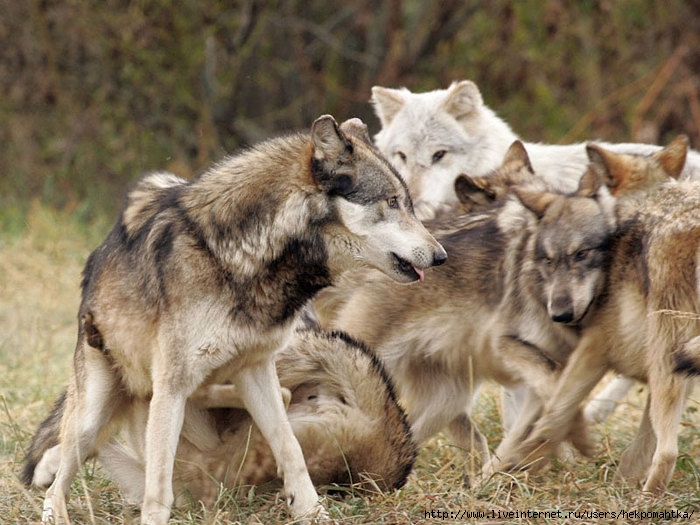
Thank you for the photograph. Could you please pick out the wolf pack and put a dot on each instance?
(317, 306)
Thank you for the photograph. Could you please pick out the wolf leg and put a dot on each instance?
(165, 418)
(87, 412)
(586, 366)
(635, 460)
(227, 396)
(466, 435)
(602, 405)
(260, 389)
(665, 409)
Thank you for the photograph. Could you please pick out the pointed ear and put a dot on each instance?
(357, 129)
(330, 148)
(672, 157)
(518, 155)
(387, 103)
(590, 183)
(610, 168)
(462, 99)
(328, 141)
(473, 192)
(535, 201)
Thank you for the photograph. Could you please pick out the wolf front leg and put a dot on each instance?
(166, 414)
(260, 389)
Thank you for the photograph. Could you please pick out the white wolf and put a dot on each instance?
(432, 137)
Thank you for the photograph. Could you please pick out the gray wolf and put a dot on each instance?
(341, 406)
(431, 137)
(497, 310)
(645, 327)
(488, 313)
(201, 282)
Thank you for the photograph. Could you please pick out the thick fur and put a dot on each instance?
(431, 137)
(342, 409)
(488, 313)
(645, 325)
(201, 282)
(434, 136)
(515, 269)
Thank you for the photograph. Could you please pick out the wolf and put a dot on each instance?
(341, 406)
(646, 326)
(431, 137)
(200, 282)
(508, 305)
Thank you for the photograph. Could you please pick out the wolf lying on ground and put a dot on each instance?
(341, 407)
(645, 326)
(431, 137)
(200, 283)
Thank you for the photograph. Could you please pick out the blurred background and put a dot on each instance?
(94, 93)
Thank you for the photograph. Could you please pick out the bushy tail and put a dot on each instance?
(687, 358)
(45, 438)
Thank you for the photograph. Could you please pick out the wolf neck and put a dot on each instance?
(264, 226)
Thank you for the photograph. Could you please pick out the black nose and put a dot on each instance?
(439, 258)
(563, 317)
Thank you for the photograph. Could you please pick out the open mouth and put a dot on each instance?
(408, 269)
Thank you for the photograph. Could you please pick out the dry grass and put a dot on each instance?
(40, 273)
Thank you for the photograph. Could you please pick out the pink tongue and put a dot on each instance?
(421, 275)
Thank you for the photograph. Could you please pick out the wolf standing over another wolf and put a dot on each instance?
(201, 282)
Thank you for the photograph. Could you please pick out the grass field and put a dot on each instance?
(39, 295)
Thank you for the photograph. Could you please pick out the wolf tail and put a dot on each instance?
(41, 461)
(687, 358)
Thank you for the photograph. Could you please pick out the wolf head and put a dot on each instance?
(477, 193)
(571, 246)
(432, 137)
(376, 222)
(624, 174)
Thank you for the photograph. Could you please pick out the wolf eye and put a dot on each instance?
(437, 156)
(401, 155)
(393, 202)
(581, 255)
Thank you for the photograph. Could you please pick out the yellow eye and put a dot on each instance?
(393, 202)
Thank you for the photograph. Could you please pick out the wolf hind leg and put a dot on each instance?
(86, 414)
(260, 389)
(467, 436)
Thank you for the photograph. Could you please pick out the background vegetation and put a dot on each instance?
(92, 94)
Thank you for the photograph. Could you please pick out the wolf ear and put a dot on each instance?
(462, 99)
(387, 103)
(518, 154)
(672, 157)
(535, 201)
(473, 192)
(609, 167)
(328, 141)
(590, 183)
(331, 147)
(357, 129)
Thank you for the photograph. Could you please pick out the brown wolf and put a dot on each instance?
(200, 283)
(341, 406)
(645, 325)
